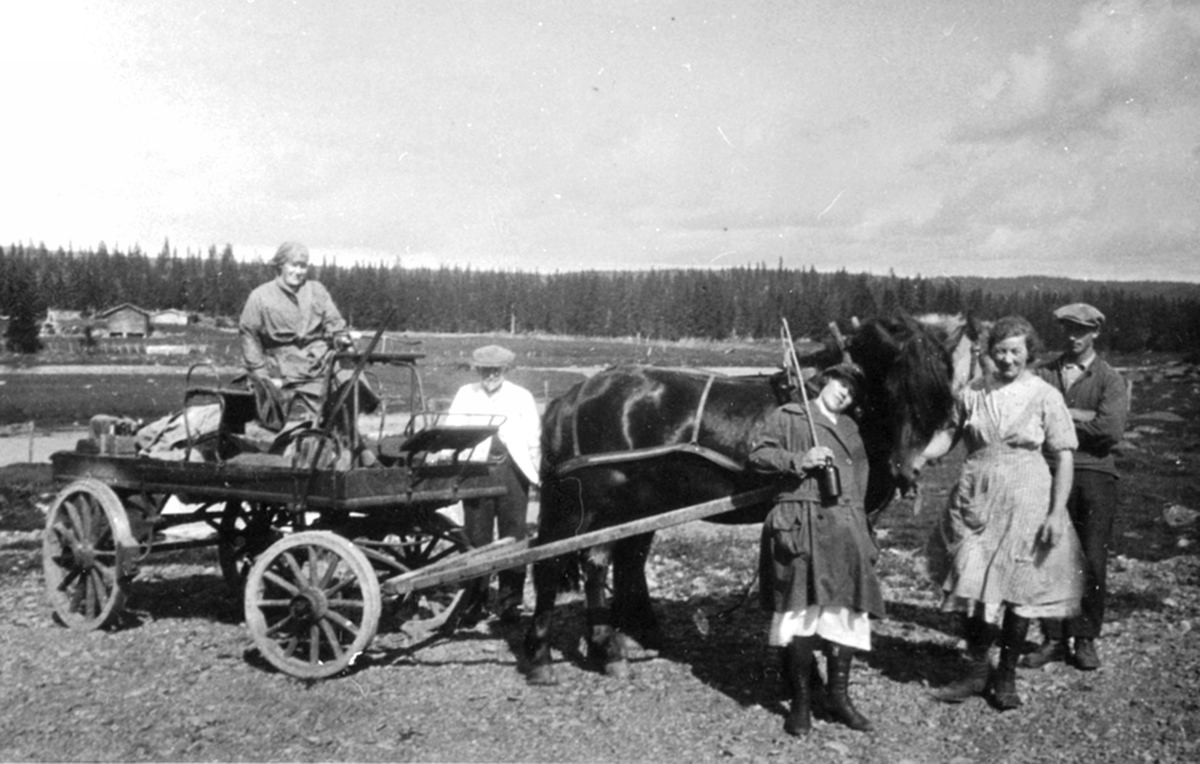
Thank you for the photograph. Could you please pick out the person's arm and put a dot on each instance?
(249, 327)
(332, 323)
(1102, 431)
(942, 443)
(532, 425)
(1060, 491)
(769, 452)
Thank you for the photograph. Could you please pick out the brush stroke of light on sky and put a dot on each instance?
(1006, 137)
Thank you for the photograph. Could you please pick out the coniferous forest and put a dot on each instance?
(658, 304)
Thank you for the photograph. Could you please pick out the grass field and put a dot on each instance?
(82, 384)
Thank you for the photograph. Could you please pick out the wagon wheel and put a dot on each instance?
(87, 555)
(243, 534)
(438, 538)
(312, 604)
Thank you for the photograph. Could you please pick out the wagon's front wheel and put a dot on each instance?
(88, 553)
(312, 604)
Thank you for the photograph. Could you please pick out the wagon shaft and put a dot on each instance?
(517, 553)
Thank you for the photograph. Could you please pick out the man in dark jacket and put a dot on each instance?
(1098, 398)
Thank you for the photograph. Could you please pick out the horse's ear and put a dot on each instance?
(956, 327)
(977, 328)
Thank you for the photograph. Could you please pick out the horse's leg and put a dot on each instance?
(546, 576)
(606, 646)
(632, 611)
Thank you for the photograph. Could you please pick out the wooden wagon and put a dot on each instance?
(315, 544)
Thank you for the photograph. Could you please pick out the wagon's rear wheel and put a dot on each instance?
(436, 539)
(88, 553)
(312, 604)
(245, 532)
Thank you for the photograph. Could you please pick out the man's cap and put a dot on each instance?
(492, 356)
(1080, 313)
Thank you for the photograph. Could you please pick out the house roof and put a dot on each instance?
(125, 305)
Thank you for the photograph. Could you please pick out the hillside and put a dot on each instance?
(1171, 290)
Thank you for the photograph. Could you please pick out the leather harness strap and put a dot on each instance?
(637, 454)
(581, 460)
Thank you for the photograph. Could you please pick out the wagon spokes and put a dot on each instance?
(329, 610)
(86, 554)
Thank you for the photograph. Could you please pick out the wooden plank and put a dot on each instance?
(494, 558)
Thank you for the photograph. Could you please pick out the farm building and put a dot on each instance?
(60, 322)
(171, 317)
(126, 320)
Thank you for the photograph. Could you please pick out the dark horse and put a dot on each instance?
(636, 441)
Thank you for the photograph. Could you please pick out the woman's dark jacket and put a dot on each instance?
(814, 551)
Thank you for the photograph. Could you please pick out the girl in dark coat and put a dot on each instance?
(817, 555)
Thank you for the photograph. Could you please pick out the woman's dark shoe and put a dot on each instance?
(1012, 637)
(1085, 656)
(838, 703)
(979, 635)
(1051, 651)
(798, 664)
(1004, 690)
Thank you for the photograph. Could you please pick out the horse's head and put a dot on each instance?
(909, 394)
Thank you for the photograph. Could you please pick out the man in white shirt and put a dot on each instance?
(518, 445)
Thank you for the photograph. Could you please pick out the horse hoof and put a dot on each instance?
(543, 676)
(617, 670)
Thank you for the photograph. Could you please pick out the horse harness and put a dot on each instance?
(581, 460)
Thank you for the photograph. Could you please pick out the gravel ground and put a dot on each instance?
(181, 682)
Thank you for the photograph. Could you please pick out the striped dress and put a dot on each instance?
(986, 549)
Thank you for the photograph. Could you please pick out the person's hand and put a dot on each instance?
(1048, 534)
(343, 341)
(812, 459)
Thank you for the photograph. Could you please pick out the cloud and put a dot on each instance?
(1119, 53)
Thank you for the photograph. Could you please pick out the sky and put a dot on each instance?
(933, 138)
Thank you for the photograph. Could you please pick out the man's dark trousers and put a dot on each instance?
(1092, 507)
(508, 514)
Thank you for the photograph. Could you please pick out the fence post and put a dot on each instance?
(30, 460)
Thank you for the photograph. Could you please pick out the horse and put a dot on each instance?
(636, 441)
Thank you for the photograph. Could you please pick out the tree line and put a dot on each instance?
(736, 302)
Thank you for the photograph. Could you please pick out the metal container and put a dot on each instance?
(829, 481)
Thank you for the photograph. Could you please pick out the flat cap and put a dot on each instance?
(1080, 313)
(492, 356)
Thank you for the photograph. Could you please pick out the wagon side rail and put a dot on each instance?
(509, 554)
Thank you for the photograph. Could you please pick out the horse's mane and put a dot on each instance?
(909, 368)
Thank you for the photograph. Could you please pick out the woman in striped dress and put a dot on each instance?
(1004, 551)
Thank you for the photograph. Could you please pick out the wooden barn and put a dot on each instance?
(126, 320)
(169, 318)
